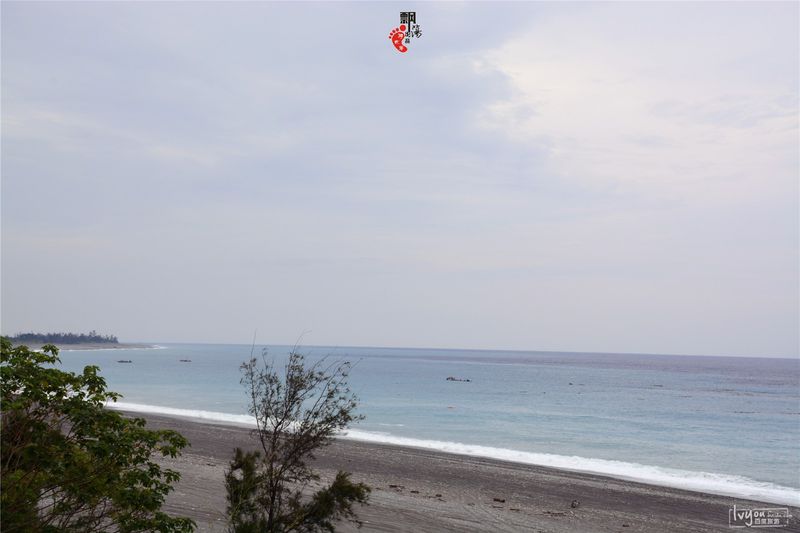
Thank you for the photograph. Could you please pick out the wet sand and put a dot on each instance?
(426, 491)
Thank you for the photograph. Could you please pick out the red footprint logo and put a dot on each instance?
(397, 35)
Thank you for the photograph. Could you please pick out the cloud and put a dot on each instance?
(644, 98)
(526, 172)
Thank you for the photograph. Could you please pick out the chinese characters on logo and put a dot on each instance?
(765, 517)
(407, 30)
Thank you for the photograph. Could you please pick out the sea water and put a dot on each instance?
(723, 425)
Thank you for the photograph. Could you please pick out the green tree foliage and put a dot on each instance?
(70, 464)
(64, 338)
(298, 410)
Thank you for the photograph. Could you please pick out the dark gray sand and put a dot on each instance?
(425, 491)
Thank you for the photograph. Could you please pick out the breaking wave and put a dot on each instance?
(721, 484)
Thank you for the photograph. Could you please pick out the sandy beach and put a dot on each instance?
(425, 491)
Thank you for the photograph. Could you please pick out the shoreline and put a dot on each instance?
(95, 346)
(725, 485)
(418, 489)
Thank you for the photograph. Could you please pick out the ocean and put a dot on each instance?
(724, 425)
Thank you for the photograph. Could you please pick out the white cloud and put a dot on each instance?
(527, 171)
(669, 113)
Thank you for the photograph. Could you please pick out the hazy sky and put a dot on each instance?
(585, 176)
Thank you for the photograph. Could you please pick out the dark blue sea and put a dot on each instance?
(724, 425)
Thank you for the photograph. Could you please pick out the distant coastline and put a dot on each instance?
(75, 341)
(102, 346)
(67, 347)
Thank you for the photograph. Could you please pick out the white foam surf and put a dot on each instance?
(211, 416)
(153, 347)
(721, 484)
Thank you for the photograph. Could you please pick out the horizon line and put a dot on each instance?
(455, 349)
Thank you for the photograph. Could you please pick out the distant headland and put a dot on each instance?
(74, 341)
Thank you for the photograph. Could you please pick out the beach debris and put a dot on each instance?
(414, 492)
(453, 378)
(625, 525)
(575, 504)
(186, 360)
(513, 509)
(124, 361)
(398, 487)
(437, 495)
(499, 500)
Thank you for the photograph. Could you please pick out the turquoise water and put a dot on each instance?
(718, 424)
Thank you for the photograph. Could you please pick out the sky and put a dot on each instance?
(604, 177)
